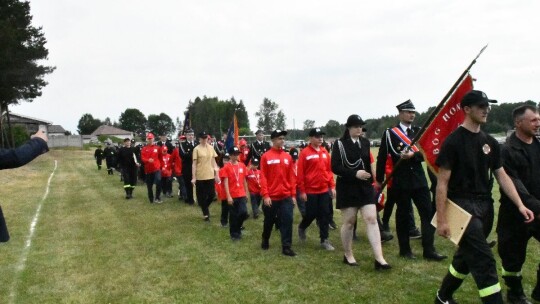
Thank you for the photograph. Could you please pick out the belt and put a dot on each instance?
(472, 196)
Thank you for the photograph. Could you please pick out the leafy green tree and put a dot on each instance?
(161, 124)
(280, 120)
(267, 115)
(22, 49)
(20, 134)
(309, 124)
(215, 116)
(333, 129)
(133, 120)
(88, 124)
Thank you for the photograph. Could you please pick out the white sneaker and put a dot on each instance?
(326, 245)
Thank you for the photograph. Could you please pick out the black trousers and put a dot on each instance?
(187, 174)
(224, 212)
(151, 179)
(129, 175)
(389, 207)
(4, 234)
(422, 200)
(317, 207)
(237, 215)
(474, 254)
(513, 239)
(284, 210)
(205, 194)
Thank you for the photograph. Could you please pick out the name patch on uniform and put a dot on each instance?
(324, 156)
(313, 156)
(274, 161)
(286, 161)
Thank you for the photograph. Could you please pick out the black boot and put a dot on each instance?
(127, 193)
(495, 298)
(448, 286)
(515, 294)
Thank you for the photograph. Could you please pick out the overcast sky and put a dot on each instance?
(318, 60)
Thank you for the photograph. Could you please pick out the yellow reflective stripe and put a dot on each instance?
(510, 273)
(127, 186)
(455, 273)
(489, 290)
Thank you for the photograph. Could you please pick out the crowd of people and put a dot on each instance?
(265, 175)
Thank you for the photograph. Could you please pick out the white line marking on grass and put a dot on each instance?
(24, 256)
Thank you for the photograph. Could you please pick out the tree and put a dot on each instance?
(161, 124)
(215, 116)
(267, 115)
(133, 120)
(22, 48)
(333, 128)
(280, 121)
(309, 124)
(88, 124)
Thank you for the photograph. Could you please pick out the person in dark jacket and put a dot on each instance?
(14, 158)
(110, 158)
(98, 156)
(351, 163)
(186, 153)
(127, 160)
(521, 160)
(258, 147)
(409, 182)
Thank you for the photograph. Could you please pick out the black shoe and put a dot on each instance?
(415, 234)
(386, 227)
(288, 252)
(332, 226)
(379, 266)
(206, 218)
(439, 300)
(242, 228)
(408, 255)
(434, 256)
(386, 236)
(255, 216)
(492, 244)
(517, 299)
(345, 261)
(265, 244)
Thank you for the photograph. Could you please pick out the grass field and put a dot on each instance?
(92, 246)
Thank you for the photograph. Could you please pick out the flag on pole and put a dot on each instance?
(449, 118)
(187, 123)
(232, 134)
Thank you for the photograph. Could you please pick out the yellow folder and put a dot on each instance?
(457, 218)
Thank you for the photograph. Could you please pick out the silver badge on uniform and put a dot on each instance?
(486, 149)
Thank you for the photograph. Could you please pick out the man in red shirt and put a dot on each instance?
(236, 188)
(151, 157)
(317, 187)
(278, 189)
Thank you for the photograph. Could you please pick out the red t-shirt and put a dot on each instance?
(220, 188)
(236, 175)
(254, 181)
(166, 166)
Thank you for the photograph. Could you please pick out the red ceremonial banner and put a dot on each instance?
(447, 120)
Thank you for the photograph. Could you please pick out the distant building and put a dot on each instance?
(31, 124)
(55, 130)
(112, 132)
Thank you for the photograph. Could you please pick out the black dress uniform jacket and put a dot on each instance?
(410, 173)
(256, 150)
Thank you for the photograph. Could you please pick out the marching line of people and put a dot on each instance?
(311, 177)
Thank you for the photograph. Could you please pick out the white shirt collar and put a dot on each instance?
(404, 127)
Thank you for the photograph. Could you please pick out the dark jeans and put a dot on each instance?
(224, 212)
(181, 186)
(166, 184)
(205, 194)
(300, 204)
(317, 207)
(237, 215)
(255, 203)
(151, 179)
(422, 200)
(187, 174)
(284, 208)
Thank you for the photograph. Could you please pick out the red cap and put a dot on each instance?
(150, 136)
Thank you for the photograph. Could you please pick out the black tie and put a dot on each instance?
(409, 133)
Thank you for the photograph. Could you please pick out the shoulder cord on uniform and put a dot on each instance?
(345, 162)
(255, 150)
(389, 142)
(182, 148)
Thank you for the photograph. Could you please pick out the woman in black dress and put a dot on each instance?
(354, 191)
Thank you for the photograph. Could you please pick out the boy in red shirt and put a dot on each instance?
(166, 172)
(316, 185)
(278, 189)
(236, 188)
(151, 158)
(254, 185)
(222, 196)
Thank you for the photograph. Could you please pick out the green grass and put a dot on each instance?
(93, 246)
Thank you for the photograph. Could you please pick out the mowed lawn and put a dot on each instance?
(93, 246)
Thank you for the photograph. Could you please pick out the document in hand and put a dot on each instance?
(457, 218)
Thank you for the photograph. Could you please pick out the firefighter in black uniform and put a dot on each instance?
(186, 153)
(98, 156)
(409, 182)
(521, 160)
(110, 158)
(258, 147)
(468, 160)
(127, 160)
